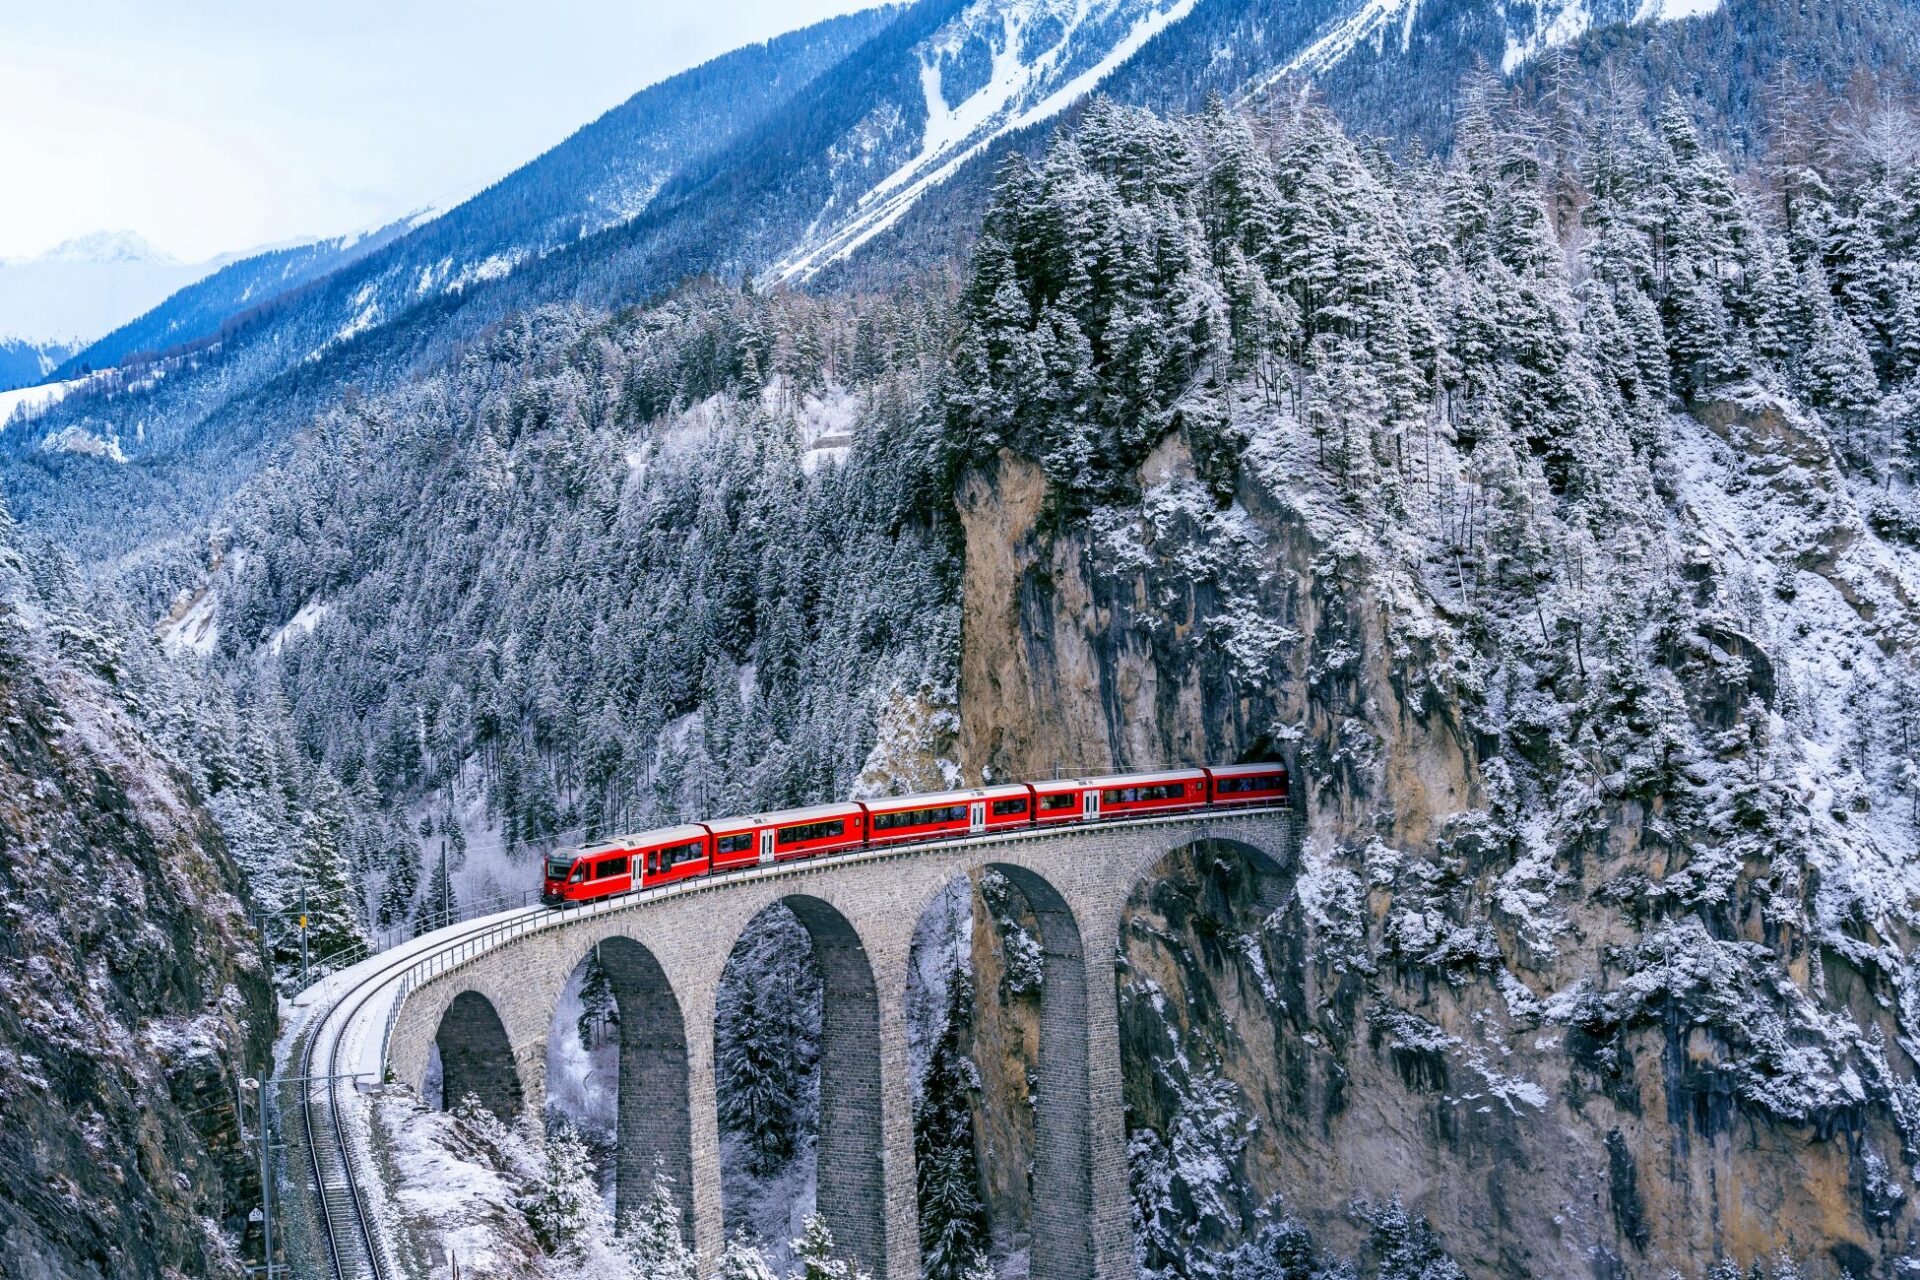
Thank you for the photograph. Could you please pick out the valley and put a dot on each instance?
(1505, 422)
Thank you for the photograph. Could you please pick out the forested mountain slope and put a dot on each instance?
(238, 292)
(24, 363)
(269, 344)
(907, 111)
(652, 588)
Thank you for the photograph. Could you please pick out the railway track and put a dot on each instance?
(349, 1244)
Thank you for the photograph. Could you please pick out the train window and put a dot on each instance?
(1005, 808)
(1054, 804)
(611, 867)
(735, 844)
(1139, 795)
(1259, 782)
(812, 831)
(679, 853)
(919, 817)
(557, 868)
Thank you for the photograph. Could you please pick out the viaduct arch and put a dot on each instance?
(666, 951)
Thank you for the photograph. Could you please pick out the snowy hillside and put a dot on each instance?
(996, 67)
(1378, 26)
(23, 363)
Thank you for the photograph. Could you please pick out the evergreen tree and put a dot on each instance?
(1281, 1250)
(651, 1240)
(1404, 1247)
(439, 905)
(599, 1012)
(813, 1254)
(331, 923)
(756, 1076)
(742, 1261)
(953, 1221)
(563, 1204)
(1838, 369)
(400, 861)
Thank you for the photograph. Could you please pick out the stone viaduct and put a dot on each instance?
(491, 1019)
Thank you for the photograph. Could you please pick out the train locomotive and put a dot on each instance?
(649, 859)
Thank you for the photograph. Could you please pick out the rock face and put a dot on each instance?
(133, 994)
(1520, 1026)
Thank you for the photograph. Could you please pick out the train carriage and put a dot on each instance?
(790, 833)
(673, 854)
(945, 814)
(1125, 795)
(581, 875)
(1063, 800)
(1247, 784)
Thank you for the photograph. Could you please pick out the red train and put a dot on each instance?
(653, 858)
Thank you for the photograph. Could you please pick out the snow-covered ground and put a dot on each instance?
(25, 402)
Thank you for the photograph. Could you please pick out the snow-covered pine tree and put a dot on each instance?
(440, 904)
(599, 1012)
(1404, 1246)
(332, 924)
(813, 1254)
(1282, 1249)
(756, 1074)
(741, 1260)
(563, 1205)
(1837, 370)
(953, 1221)
(14, 587)
(651, 1241)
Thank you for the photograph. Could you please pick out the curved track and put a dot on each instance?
(347, 1236)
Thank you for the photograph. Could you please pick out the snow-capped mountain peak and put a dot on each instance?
(101, 248)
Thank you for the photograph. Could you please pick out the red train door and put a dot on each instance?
(977, 817)
(766, 847)
(1091, 799)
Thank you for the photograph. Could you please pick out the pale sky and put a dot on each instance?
(216, 125)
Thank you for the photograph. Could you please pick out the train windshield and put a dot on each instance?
(557, 868)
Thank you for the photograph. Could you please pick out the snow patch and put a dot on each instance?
(27, 402)
(299, 625)
(193, 627)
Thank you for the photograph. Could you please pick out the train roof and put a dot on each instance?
(782, 816)
(933, 799)
(646, 839)
(1235, 770)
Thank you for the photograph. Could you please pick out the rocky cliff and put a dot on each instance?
(133, 993)
(1480, 992)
